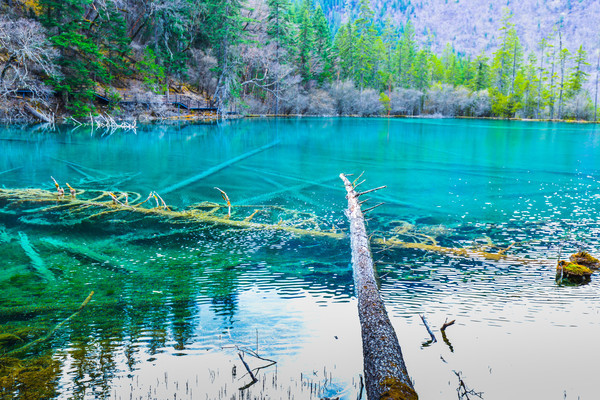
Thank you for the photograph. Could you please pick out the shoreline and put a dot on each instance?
(145, 118)
(256, 116)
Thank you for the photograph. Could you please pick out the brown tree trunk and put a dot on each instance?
(385, 372)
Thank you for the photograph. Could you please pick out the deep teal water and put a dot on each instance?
(166, 319)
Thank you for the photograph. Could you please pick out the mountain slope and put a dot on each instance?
(473, 26)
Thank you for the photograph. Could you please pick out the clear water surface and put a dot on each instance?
(177, 302)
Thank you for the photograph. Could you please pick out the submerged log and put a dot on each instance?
(81, 209)
(216, 168)
(37, 262)
(386, 376)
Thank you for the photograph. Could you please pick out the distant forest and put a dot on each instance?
(282, 57)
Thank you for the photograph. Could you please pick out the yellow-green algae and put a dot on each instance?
(569, 272)
(93, 208)
(572, 269)
(397, 390)
(585, 259)
(34, 378)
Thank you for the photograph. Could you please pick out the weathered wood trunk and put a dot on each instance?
(37, 114)
(386, 376)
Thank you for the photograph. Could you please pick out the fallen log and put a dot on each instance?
(290, 189)
(38, 114)
(37, 262)
(386, 376)
(83, 252)
(56, 327)
(80, 209)
(10, 170)
(216, 168)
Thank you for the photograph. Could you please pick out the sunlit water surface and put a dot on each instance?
(171, 314)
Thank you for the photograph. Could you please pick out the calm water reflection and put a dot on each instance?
(171, 310)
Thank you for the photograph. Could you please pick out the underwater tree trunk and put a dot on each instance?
(216, 168)
(386, 376)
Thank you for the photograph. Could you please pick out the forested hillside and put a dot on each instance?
(473, 26)
(282, 57)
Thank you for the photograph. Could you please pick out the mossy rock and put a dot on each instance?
(584, 258)
(569, 272)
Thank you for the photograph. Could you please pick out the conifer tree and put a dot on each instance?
(322, 47)
(345, 48)
(279, 29)
(563, 56)
(541, 75)
(578, 75)
(406, 51)
(481, 77)
(225, 24)
(304, 40)
(91, 43)
(365, 51)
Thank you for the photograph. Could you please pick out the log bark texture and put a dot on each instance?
(37, 114)
(386, 376)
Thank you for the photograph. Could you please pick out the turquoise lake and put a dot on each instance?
(177, 301)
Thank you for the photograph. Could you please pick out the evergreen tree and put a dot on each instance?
(541, 75)
(563, 56)
(92, 45)
(505, 67)
(279, 29)
(323, 70)
(420, 74)
(550, 92)
(304, 41)
(225, 22)
(507, 59)
(345, 48)
(405, 54)
(578, 76)
(388, 37)
(365, 51)
(481, 77)
(526, 87)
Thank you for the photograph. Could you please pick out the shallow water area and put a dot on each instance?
(176, 302)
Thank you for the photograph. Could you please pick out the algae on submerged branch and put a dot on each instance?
(62, 210)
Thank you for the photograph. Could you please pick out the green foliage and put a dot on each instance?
(304, 40)
(322, 48)
(384, 99)
(173, 33)
(280, 28)
(507, 59)
(153, 74)
(90, 50)
(94, 45)
(578, 75)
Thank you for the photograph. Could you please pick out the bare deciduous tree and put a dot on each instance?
(30, 58)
